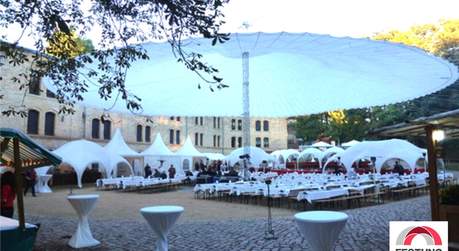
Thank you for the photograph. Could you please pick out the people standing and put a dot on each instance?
(398, 168)
(30, 177)
(147, 171)
(172, 172)
(8, 194)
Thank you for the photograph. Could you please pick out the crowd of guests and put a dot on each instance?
(157, 174)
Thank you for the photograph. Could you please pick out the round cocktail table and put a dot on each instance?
(161, 219)
(321, 228)
(42, 184)
(83, 204)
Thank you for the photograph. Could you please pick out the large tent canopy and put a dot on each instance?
(284, 155)
(186, 153)
(214, 156)
(311, 153)
(158, 156)
(257, 156)
(289, 63)
(331, 151)
(350, 143)
(79, 154)
(382, 150)
(118, 146)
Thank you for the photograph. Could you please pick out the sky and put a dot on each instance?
(354, 18)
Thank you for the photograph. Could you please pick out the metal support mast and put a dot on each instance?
(246, 111)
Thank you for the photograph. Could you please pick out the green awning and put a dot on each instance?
(32, 154)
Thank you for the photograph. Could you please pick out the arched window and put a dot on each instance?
(32, 121)
(171, 136)
(196, 139)
(34, 86)
(233, 142)
(266, 142)
(107, 129)
(196, 120)
(239, 141)
(258, 142)
(200, 120)
(139, 133)
(95, 128)
(258, 125)
(233, 124)
(215, 140)
(147, 133)
(215, 122)
(265, 125)
(177, 137)
(201, 139)
(50, 119)
(239, 124)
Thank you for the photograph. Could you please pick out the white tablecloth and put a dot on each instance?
(83, 205)
(8, 224)
(311, 196)
(161, 219)
(321, 228)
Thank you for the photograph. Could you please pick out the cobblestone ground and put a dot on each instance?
(366, 229)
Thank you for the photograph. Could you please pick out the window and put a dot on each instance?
(258, 125)
(239, 124)
(196, 138)
(218, 123)
(233, 142)
(107, 129)
(171, 118)
(50, 94)
(266, 142)
(239, 141)
(233, 124)
(171, 136)
(215, 140)
(177, 118)
(196, 122)
(177, 137)
(139, 133)
(95, 128)
(265, 125)
(32, 121)
(50, 118)
(34, 86)
(215, 122)
(201, 137)
(258, 142)
(147, 133)
(218, 140)
(200, 120)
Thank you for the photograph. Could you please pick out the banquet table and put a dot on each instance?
(321, 228)
(311, 196)
(83, 205)
(14, 238)
(161, 219)
(42, 184)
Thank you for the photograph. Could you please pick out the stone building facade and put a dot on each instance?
(45, 124)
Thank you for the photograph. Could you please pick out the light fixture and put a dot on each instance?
(438, 135)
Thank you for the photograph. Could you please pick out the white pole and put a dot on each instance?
(246, 109)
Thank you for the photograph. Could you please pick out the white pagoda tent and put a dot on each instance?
(186, 153)
(350, 143)
(118, 146)
(158, 156)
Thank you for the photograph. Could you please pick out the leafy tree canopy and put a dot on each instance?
(122, 26)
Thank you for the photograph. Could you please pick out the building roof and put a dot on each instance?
(447, 121)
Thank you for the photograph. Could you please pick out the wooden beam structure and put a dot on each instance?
(18, 175)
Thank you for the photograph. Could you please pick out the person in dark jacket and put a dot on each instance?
(30, 178)
(147, 171)
(398, 168)
(172, 172)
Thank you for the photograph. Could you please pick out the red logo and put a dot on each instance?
(429, 234)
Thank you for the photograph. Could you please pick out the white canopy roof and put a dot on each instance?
(81, 153)
(312, 151)
(214, 156)
(118, 145)
(285, 153)
(321, 144)
(289, 63)
(188, 149)
(350, 143)
(383, 150)
(158, 148)
(332, 150)
(257, 155)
